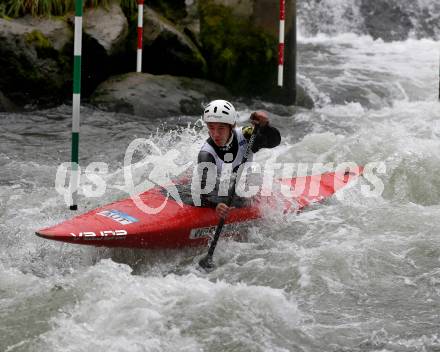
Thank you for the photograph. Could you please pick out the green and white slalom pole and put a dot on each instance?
(76, 104)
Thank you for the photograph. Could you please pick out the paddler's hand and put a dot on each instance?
(259, 118)
(222, 210)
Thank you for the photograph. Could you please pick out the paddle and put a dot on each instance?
(207, 262)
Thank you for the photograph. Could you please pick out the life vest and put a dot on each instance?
(242, 145)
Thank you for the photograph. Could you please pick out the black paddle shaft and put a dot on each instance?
(207, 262)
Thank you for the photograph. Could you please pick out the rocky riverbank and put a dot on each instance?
(184, 53)
(187, 45)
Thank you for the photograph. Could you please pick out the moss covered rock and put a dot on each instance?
(173, 10)
(240, 55)
(35, 57)
(242, 8)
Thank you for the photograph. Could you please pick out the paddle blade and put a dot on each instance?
(206, 262)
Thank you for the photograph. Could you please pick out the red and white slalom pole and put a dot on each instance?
(281, 43)
(139, 33)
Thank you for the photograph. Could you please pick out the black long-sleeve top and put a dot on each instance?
(267, 137)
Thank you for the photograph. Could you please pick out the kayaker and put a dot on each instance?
(227, 144)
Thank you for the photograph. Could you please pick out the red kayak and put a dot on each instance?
(123, 224)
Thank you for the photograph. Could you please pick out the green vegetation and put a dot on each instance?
(2, 10)
(239, 55)
(37, 38)
(18, 8)
(42, 45)
(171, 9)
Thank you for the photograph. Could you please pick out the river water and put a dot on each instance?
(357, 273)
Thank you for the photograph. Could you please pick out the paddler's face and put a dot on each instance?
(219, 132)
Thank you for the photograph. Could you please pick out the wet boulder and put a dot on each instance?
(169, 50)
(6, 104)
(105, 32)
(108, 26)
(35, 59)
(153, 96)
(386, 20)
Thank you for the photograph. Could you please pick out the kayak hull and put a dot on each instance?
(124, 224)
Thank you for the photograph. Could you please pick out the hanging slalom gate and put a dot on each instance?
(76, 99)
(281, 43)
(139, 35)
(287, 52)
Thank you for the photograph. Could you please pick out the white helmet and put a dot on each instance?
(220, 111)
